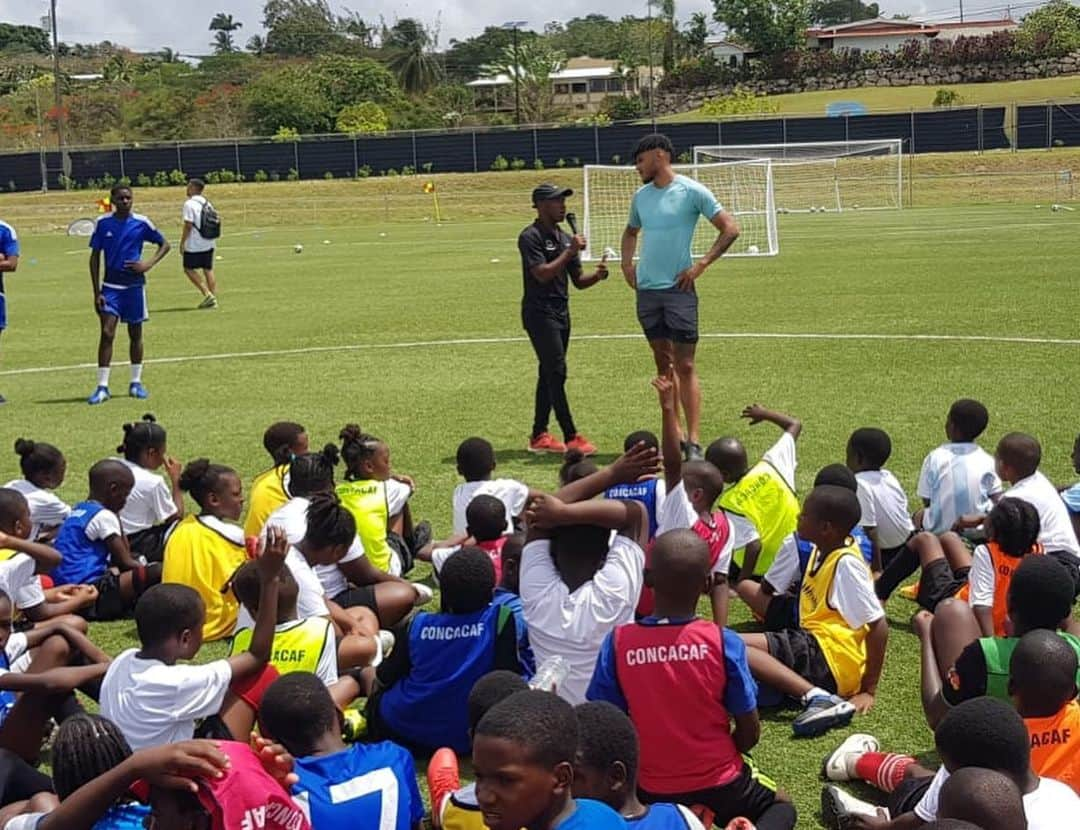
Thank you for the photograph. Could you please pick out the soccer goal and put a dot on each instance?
(827, 176)
(744, 188)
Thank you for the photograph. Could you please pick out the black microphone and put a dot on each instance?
(571, 220)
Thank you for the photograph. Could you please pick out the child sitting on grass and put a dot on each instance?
(839, 649)
(485, 525)
(682, 681)
(43, 467)
(91, 538)
(650, 491)
(155, 699)
(203, 551)
(423, 686)
(476, 463)
(692, 489)
(523, 755)
(764, 493)
(1042, 684)
(298, 712)
(283, 440)
(882, 500)
(153, 506)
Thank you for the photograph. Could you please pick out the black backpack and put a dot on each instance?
(209, 221)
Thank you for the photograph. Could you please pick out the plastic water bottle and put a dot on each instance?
(550, 674)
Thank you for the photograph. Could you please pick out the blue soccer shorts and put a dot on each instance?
(129, 304)
(3, 311)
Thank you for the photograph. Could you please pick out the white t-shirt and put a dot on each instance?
(957, 479)
(20, 582)
(511, 493)
(192, 212)
(47, 510)
(311, 601)
(1056, 531)
(852, 592)
(677, 513)
(149, 503)
(154, 704)
(292, 518)
(573, 625)
(1051, 806)
(784, 570)
(781, 456)
(884, 507)
(104, 525)
(981, 579)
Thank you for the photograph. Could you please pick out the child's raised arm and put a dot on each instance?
(627, 517)
(635, 464)
(671, 437)
(756, 413)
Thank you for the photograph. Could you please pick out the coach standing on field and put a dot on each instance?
(549, 260)
(667, 208)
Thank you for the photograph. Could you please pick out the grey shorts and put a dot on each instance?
(668, 314)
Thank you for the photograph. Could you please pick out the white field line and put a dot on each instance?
(490, 341)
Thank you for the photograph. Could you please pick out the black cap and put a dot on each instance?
(550, 191)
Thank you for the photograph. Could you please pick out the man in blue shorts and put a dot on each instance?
(667, 208)
(122, 296)
(9, 262)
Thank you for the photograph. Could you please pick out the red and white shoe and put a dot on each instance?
(546, 442)
(582, 444)
(443, 780)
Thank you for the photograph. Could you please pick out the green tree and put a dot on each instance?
(1053, 29)
(223, 26)
(158, 114)
(767, 26)
(302, 28)
(256, 44)
(695, 34)
(465, 59)
(366, 118)
(534, 64)
(595, 35)
(667, 20)
(835, 12)
(411, 58)
(290, 96)
(118, 69)
(345, 81)
(17, 39)
(352, 25)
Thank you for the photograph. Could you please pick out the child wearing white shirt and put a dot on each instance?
(882, 500)
(476, 463)
(152, 506)
(43, 467)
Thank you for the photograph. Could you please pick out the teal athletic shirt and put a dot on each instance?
(667, 217)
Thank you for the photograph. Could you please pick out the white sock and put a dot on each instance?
(817, 691)
(136, 373)
(103, 376)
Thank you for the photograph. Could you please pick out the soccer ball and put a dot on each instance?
(298, 249)
(753, 249)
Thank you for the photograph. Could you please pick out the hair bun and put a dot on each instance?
(149, 418)
(331, 454)
(350, 433)
(193, 473)
(573, 456)
(24, 446)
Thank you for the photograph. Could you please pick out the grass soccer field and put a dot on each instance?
(412, 329)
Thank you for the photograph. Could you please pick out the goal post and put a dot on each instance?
(825, 176)
(743, 188)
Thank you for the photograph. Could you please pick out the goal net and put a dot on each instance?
(743, 188)
(824, 176)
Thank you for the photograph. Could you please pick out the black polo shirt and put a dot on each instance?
(538, 246)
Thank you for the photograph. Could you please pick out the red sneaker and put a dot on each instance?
(443, 779)
(546, 442)
(582, 444)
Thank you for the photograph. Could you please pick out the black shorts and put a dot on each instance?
(906, 797)
(749, 795)
(938, 583)
(799, 651)
(199, 259)
(361, 597)
(668, 314)
(110, 604)
(1069, 562)
(781, 612)
(150, 542)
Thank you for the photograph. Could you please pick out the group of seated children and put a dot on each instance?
(642, 712)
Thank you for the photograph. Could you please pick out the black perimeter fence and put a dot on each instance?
(475, 150)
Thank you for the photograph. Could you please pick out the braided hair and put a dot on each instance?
(140, 436)
(87, 746)
(329, 524)
(201, 478)
(313, 472)
(357, 447)
(1015, 526)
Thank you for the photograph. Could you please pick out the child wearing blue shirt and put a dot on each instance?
(121, 298)
(9, 262)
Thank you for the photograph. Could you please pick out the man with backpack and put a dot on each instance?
(202, 227)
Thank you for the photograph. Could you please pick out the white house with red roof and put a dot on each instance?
(879, 34)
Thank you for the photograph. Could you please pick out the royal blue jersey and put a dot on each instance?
(866, 548)
(85, 559)
(122, 240)
(366, 785)
(7, 697)
(642, 491)
(513, 602)
(448, 653)
(592, 815)
(9, 245)
(661, 817)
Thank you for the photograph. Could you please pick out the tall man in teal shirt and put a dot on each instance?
(667, 208)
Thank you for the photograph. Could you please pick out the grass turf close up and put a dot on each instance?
(415, 334)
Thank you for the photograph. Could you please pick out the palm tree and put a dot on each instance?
(667, 15)
(224, 25)
(167, 55)
(118, 69)
(256, 45)
(534, 62)
(411, 58)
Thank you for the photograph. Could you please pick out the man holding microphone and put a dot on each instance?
(549, 260)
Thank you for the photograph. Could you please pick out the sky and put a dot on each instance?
(148, 25)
